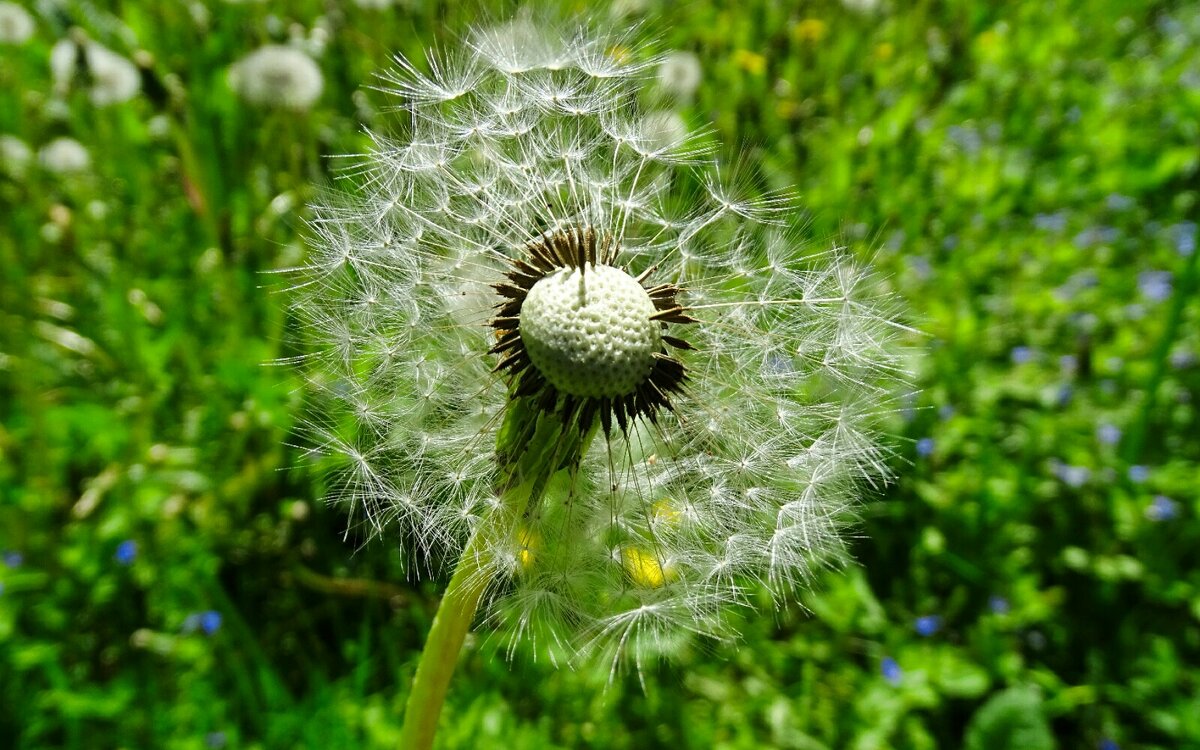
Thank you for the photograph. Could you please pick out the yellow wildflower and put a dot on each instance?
(644, 569)
(809, 30)
(529, 542)
(751, 62)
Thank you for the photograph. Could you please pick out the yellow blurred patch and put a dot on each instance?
(885, 51)
(530, 542)
(751, 62)
(619, 53)
(809, 30)
(644, 569)
(665, 510)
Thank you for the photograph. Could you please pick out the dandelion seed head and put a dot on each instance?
(679, 74)
(64, 156)
(277, 76)
(529, 249)
(109, 78)
(15, 155)
(16, 25)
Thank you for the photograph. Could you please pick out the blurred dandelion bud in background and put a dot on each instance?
(64, 156)
(16, 25)
(277, 76)
(108, 77)
(564, 356)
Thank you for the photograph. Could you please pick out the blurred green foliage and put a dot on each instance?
(1024, 173)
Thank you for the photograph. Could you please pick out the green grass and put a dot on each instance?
(1015, 169)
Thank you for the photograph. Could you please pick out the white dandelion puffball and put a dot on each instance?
(533, 275)
(277, 76)
(16, 25)
(679, 74)
(865, 7)
(111, 78)
(15, 155)
(64, 156)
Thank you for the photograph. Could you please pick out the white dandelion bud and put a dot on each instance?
(16, 25)
(277, 76)
(561, 355)
(110, 78)
(64, 156)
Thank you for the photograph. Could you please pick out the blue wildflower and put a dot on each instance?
(1093, 236)
(1155, 286)
(215, 740)
(946, 411)
(1118, 202)
(1021, 355)
(1063, 397)
(1108, 744)
(207, 622)
(126, 552)
(1055, 222)
(925, 447)
(1183, 237)
(1162, 508)
(1068, 363)
(14, 559)
(1181, 359)
(998, 604)
(210, 622)
(891, 670)
(1108, 434)
(1072, 476)
(927, 625)
(920, 266)
(1138, 473)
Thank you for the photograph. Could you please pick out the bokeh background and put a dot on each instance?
(1025, 176)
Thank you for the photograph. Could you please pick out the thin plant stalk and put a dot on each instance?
(533, 450)
(1160, 357)
(440, 656)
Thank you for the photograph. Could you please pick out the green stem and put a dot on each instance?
(451, 624)
(1184, 287)
(530, 450)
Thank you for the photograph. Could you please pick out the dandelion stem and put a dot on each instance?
(450, 625)
(531, 450)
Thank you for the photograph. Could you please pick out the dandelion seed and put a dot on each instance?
(16, 25)
(108, 77)
(615, 405)
(277, 76)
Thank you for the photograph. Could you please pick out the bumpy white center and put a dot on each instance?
(590, 333)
